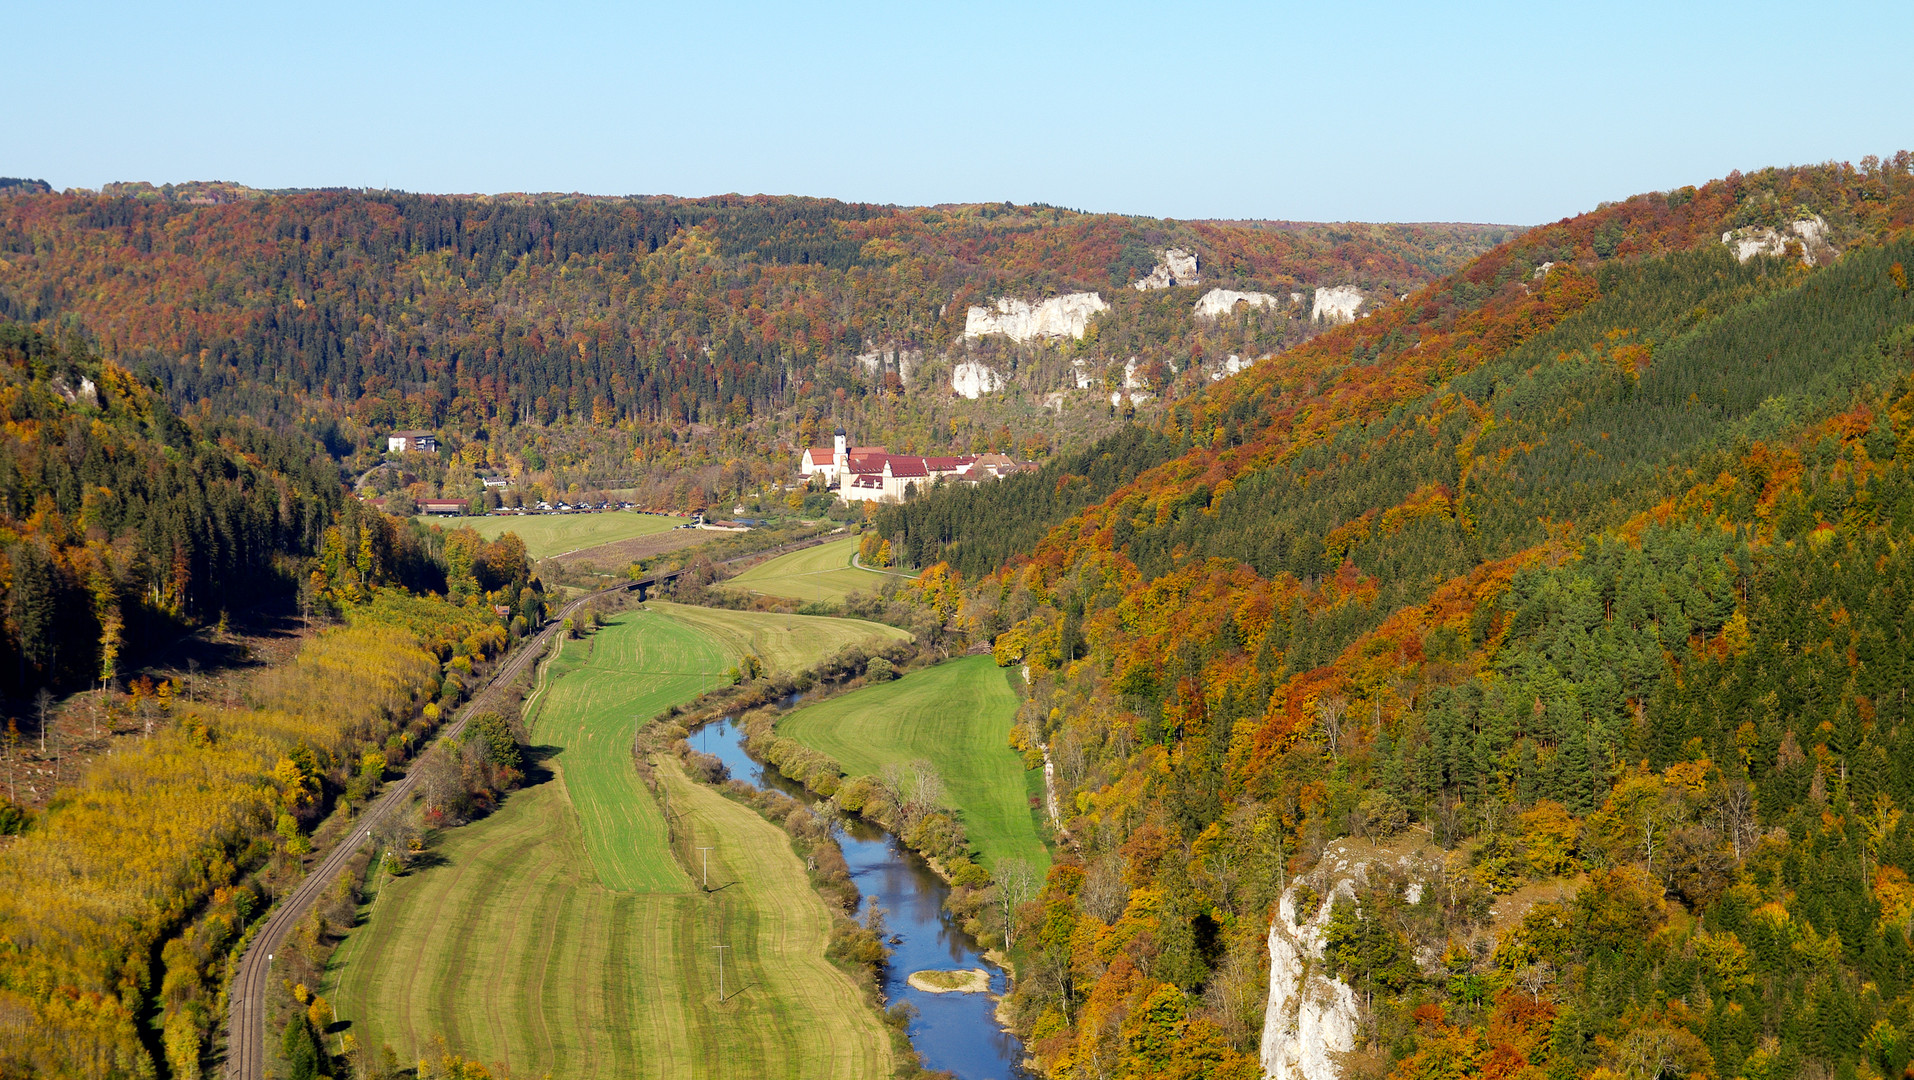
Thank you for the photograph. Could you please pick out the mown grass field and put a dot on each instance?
(957, 715)
(546, 535)
(820, 573)
(558, 936)
(782, 642)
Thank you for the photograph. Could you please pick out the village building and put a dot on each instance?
(412, 442)
(992, 467)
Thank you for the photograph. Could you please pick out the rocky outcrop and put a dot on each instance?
(88, 393)
(1219, 302)
(1337, 304)
(904, 361)
(1231, 365)
(1176, 267)
(1810, 233)
(1020, 320)
(973, 380)
(1311, 1018)
(1134, 386)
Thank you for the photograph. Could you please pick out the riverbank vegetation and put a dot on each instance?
(956, 717)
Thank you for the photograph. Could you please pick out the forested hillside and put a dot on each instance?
(682, 332)
(125, 523)
(1582, 576)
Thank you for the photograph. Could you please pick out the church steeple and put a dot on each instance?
(840, 458)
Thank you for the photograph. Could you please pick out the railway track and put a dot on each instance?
(246, 1011)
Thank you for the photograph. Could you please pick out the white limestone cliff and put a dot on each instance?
(1311, 1016)
(973, 380)
(1337, 304)
(1810, 233)
(1134, 387)
(1176, 267)
(1231, 365)
(904, 360)
(1220, 302)
(1020, 320)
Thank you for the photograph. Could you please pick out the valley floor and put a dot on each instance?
(559, 936)
(821, 573)
(956, 715)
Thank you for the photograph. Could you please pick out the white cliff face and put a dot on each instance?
(1231, 365)
(1220, 302)
(1080, 369)
(973, 380)
(1337, 304)
(1311, 1014)
(1020, 320)
(1810, 233)
(904, 361)
(1133, 385)
(1177, 267)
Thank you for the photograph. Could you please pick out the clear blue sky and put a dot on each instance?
(1505, 112)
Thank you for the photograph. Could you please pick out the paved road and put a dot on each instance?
(246, 1016)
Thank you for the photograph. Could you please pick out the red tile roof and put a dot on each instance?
(908, 466)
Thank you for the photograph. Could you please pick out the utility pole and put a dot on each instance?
(707, 868)
(721, 949)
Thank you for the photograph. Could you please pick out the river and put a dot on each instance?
(958, 1032)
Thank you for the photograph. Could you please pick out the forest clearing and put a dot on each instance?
(559, 936)
(955, 715)
(822, 573)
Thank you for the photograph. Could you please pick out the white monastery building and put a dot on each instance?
(873, 474)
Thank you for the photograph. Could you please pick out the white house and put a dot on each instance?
(412, 442)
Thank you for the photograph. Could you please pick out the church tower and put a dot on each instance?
(840, 460)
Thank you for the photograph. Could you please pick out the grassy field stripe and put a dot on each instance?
(506, 925)
(547, 535)
(820, 573)
(782, 642)
(429, 950)
(464, 1001)
(615, 990)
(532, 1042)
(515, 952)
